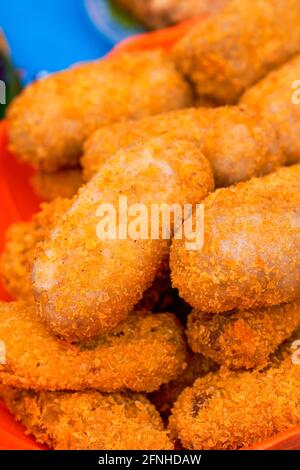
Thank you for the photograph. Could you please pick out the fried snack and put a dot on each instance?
(21, 241)
(85, 284)
(50, 120)
(229, 52)
(238, 144)
(164, 398)
(18, 257)
(229, 410)
(160, 295)
(156, 14)
(141, 354)
(272, 97)
(89, 420)
(63, 183)
(242, 339)
(250, 257)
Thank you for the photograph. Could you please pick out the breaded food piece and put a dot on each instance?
(19, 252)
(237, 142)
(52, 117)
(229, 52)
(156, 14)
(230, 410)
(250, 257)
(89, 420)
(18, 257)
(144, 352)
(87, 281)
(272, 97)
(16, 260)
(160, 295)
(63, 183)
(242, 339)
(198, 366)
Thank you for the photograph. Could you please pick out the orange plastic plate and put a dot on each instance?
(18, 203)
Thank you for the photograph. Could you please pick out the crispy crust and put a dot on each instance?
(250, 257)
(21, 241)
(141, 354)
(64, 183)
(89, 420)
(197, 366)
(229, 410)
(161, 170)
(160, 296)
(242, 339)
(51, 118)
(272, 97)
(238, 144)
(18, 257)
(226, 54)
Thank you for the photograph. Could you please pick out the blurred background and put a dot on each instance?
(49, 35)
(40, 37)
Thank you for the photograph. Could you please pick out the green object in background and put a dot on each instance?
(122, 17)
(10, 84)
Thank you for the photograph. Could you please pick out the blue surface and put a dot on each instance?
(49, 35)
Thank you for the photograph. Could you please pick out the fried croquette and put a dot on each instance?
(230, 410)
(251, 244)
(141, 354)
(238, 144)
(272, 97)
(242, 339)
(63, 183)
(89, 420)
(16, 260)
(87, 276)
(52, 117)
(156, 14)
(231, 51)
(160, 296)
(18, 257)
(197, 366)
(19, 252)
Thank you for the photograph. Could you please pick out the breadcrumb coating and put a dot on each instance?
(231, 51)
(237, 142)
(21, 241)
(250, 257)
(86, 285)
(156, 14)
(242, 339)
(197, 366)
(19, 254)
(52, 117)
(144, 352)
(160, 296)
(63, 183)
(229, 410)
(272, 97)
(89, 420)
